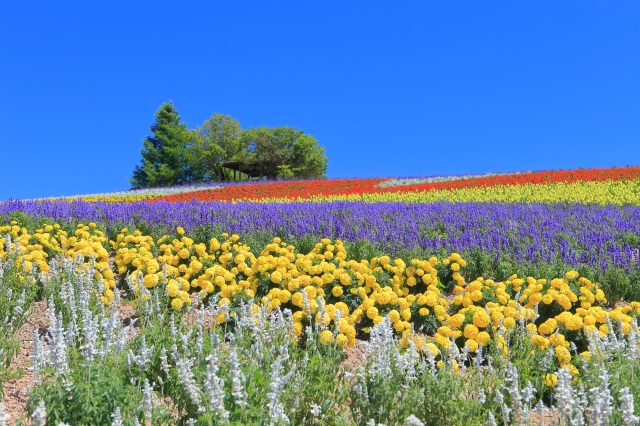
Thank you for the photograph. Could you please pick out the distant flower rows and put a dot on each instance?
(134, 195)
(245, 295)
(621, 185)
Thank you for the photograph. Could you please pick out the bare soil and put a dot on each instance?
(15, 391)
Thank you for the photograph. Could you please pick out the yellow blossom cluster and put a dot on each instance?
(349, 296)
(322, 284)
(555, 313)
(107, 198)
(34, 249)
(623, 192)
(344, 297)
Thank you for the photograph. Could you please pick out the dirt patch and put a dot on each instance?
(354, 356)
(546, 418)
(15, 391)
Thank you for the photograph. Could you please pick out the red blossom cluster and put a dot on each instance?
(288, 190)
(544, 177)
(308, 189)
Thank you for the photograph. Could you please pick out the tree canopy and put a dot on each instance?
(164, 158)
(175, 155)
(214, 142)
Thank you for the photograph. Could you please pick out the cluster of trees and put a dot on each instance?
(176, 155)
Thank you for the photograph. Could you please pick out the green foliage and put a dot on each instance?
(164, 156)
(616, 284)
(284, 152)
(308, 159)
(215, 141)
(93, 392)
(175, 155)
(18, 293)
(285, 172)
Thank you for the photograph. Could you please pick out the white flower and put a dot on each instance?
(413, 421)
(315, 410)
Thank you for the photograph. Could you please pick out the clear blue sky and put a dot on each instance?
(389, 90)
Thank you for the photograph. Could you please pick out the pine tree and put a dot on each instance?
(164, 156)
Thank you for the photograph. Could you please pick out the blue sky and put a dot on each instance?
(415, 89)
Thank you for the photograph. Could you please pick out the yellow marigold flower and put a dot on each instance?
(573, 323)
(509, 323)
(184, 296)
(184, 253)
(470, 331)
(423, 312)
(431, 299)
(176, 304)
(563, 355)
(297, 329)
(572, 275)
(589, 320)
(284, 296)
(550, 380)
(150, 280)
(481, 319)
(345, 279)
(476, 296)
(311, 291)
(326, 336)
(337, 291)
(455, 321)
(483, 338)
(383, 297)
(444, 330)
(377, 320)
(172, 288)
(432, 348)
(372, 312)
(276, 277)
(341, 339)
(394, 315)
(540, 342)
(455, 267)
(406, 314)
(472, 345)
(547, 299)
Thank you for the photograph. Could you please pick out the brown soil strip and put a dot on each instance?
(15, 391)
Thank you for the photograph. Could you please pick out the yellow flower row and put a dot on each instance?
(593, 192)
(344, 296)
(105, 198)
(351, 295)
(34, 250)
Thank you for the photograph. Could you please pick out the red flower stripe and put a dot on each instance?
(290, 190)
(306, 189)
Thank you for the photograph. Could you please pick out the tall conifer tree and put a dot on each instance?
(164, 156)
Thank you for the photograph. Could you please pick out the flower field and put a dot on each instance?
(496, 299)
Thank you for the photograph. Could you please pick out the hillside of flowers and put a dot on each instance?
(494, 299)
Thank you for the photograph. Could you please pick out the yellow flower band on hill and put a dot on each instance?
(346, 297)
(106, 198)
(35, 250)
(607, 192)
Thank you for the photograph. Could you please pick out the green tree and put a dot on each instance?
(308, 158)
(270, 148)
(164, 156)
(214, 142)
